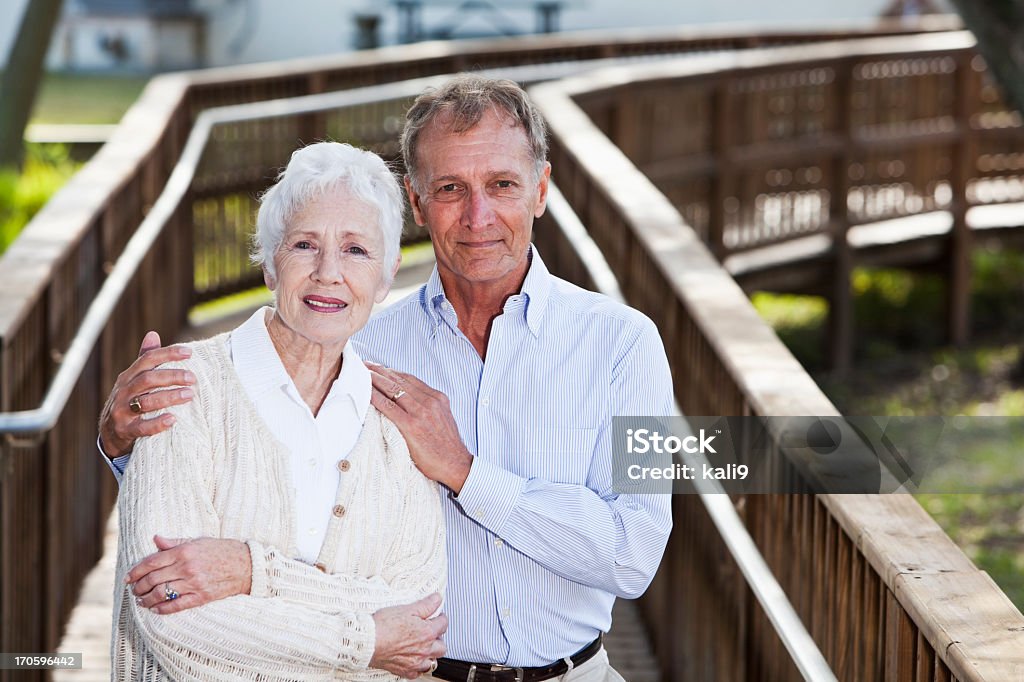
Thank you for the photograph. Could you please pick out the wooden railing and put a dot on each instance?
(54, 493)
(884, 592)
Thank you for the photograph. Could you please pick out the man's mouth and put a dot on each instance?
(482, 245)
(324, 304)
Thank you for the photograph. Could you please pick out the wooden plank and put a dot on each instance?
(969, 622)
(924, 666)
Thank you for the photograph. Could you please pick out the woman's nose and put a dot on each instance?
(329, 268)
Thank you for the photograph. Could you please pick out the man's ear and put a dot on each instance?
(542, 190)
(414, 203)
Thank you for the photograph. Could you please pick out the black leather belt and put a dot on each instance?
(461, 671)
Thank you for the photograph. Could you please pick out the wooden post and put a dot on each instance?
(722, 131)
(958, 281)
(840, 313)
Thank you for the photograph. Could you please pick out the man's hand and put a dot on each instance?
(200, 571)
(425, 419)
(120, 426)
(408, 639)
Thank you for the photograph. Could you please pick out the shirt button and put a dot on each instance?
(485, 402)
(499, 542)
(339, 510)
(505, 613)
(312, 531)
(479, 513)
(344, 465)
(311, 462)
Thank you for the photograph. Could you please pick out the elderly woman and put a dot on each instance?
(282, 449)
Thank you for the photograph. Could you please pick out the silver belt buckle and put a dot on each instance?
(520, 673)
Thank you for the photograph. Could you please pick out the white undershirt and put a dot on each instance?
(317, 443)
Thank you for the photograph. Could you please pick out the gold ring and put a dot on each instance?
(433, 665)
(398, 395)
(136, 405)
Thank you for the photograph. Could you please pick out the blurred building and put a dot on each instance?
(132, 35)
(159, 35)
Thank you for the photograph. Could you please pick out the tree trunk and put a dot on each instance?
(999, 27)
(22, 75)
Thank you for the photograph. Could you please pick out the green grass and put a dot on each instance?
(903, 368)
(73, 98)
(46, 169)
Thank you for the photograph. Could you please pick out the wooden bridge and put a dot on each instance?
(699, 163)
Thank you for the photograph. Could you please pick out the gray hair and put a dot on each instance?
(464, 100)
(311, 172)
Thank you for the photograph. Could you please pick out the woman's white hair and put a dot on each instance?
(316, 169)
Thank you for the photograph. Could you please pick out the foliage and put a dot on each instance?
(46, 169)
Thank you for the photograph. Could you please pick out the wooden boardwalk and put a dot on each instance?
(88, 630)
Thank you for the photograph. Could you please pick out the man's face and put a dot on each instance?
(478, 196)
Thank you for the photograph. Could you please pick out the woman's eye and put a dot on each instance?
(357, 250)
(303, 245)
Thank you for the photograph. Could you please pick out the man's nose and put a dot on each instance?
(479, 211)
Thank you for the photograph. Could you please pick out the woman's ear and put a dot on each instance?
(382, 290)
(268, 279)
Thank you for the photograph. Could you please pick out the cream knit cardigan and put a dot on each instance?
(219, 472)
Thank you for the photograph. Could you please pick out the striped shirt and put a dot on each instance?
(538, 544)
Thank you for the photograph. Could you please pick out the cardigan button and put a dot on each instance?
(339, 510)
(344, 465)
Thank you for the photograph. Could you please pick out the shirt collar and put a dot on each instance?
(261, 371)
(536, 289)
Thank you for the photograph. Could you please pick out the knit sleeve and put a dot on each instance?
(415, 565)
(167, 490)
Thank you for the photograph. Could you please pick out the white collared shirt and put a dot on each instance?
(317, 444)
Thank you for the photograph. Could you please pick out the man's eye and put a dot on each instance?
(505, 184)
(450, 187)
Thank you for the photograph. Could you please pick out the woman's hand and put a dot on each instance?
(199, 571)
(408, 640)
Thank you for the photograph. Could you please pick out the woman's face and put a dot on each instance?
(330, 268)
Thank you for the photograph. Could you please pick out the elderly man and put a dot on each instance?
(504, 381)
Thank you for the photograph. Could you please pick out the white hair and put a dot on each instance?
(312, 171)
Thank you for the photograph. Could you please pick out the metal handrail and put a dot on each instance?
(44, 417)
(787, 624)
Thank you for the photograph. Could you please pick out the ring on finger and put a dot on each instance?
(169, 593)
(135, 405)
(433, 665)
(398, 394)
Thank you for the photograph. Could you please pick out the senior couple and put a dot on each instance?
(295, 513)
